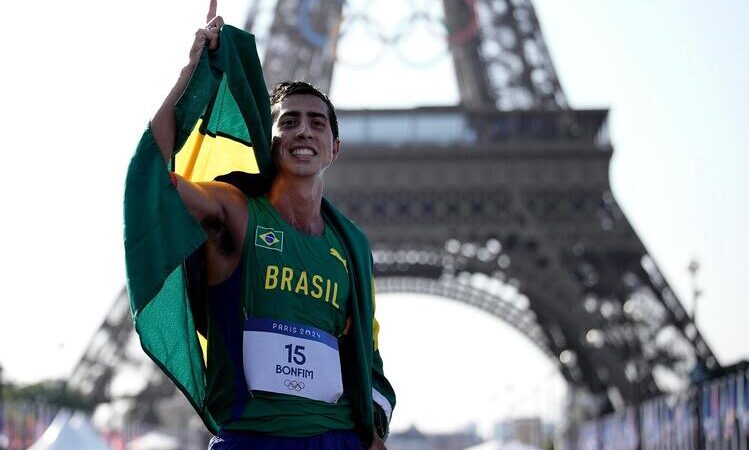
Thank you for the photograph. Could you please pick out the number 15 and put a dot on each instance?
(298, 356)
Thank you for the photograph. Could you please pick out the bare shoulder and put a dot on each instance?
(230, 197)
(233, 204)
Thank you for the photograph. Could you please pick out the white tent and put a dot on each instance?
(70, 432)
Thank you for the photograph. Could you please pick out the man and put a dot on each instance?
(279, 287)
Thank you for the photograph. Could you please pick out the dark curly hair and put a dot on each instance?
(285, 88)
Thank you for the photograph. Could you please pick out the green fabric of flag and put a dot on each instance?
(160, 233)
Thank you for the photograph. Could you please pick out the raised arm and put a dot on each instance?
(218, 207)
(164, 124)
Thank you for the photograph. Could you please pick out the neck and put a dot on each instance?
(298, 201)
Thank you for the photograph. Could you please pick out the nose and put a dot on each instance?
(304, 131)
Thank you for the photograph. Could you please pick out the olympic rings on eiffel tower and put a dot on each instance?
(359, 20)
(368, 51)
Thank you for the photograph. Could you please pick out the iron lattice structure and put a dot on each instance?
(114, 357)
(502, 202)
(512, 212)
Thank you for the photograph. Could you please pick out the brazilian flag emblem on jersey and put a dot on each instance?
(223, 125)
(269, 238)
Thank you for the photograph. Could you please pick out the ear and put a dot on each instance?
(336, 149)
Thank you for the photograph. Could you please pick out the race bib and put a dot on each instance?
(289, 358)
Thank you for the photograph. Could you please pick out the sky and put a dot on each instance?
(80, 79)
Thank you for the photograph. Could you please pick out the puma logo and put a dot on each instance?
(338, 256)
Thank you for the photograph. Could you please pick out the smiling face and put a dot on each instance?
(303, 143)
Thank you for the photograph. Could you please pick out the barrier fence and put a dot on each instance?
(21, 423)
(711, 416)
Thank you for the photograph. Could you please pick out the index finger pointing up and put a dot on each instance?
(211, 11)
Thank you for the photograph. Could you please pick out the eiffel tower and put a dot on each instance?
(501, 202)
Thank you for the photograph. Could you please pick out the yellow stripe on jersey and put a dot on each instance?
(375, 324)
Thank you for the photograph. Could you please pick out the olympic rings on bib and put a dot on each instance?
(293, 385)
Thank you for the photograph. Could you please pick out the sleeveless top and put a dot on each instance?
(287, 275)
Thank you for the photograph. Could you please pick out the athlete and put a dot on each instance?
(279, 248)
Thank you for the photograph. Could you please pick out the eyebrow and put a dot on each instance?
(299, 113)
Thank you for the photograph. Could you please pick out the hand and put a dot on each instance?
(377, 443)
(207, 36)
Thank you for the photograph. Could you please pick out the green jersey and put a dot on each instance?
(287, 276)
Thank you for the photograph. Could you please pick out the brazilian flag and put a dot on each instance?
(224, 132)
(223, 126)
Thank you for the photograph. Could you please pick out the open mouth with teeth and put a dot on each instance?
(302, 151)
